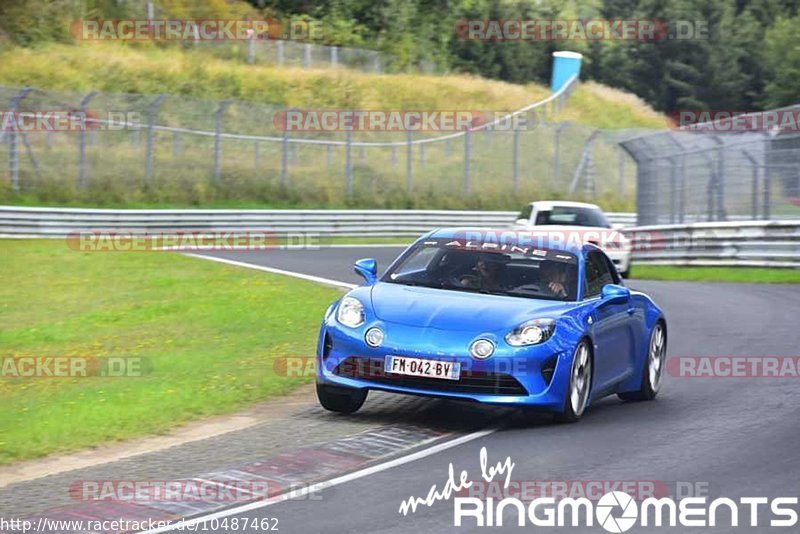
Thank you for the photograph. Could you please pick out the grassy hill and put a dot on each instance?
(116, 167)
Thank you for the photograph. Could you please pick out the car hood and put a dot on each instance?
(456, 310)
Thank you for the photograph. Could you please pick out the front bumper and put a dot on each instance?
(531, 376)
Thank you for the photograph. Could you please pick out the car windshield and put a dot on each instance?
(572, 216)
(462, 265)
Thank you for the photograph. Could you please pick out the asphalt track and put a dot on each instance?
(737, 437)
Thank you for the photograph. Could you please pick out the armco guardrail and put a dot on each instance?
(744, 243)
(58, 222)
(752, 243)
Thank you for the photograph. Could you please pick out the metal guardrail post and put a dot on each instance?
(285, 157)
(82, 141)
(409, 162)
(467, 156)
(218, 141)
(13, 150)
(348, 162)
(515, 162)
(251, 50)
(753, 185)
(557, 156)
(279, 50)
(152, 110)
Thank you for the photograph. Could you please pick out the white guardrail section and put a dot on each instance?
(18, 221)
(744, 243)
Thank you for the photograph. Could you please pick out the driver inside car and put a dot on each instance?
(488, 275)
(552, 278)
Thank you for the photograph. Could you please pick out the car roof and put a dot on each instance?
(502, 235)
(550, 204)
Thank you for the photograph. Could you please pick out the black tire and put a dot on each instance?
(339, 399)
(647, 390)
(569, 413)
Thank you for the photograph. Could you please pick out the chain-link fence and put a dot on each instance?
(687, 176)
(289, 51)
(162, 149)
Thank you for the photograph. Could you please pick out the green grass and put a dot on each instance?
(716, 274)
(210, 332)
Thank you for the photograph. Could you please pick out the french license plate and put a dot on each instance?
(402, 365)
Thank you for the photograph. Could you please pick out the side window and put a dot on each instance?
(525, 213)
(597, 274)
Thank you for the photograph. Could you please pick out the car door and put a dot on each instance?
(611, 325)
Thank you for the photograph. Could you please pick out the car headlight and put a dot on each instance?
(350, 312)
(531, 332)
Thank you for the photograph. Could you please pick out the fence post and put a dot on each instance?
(621, 165)
(515, 162)
(82, 142)
(328, 155)
(672, 188)
(218, 141)
(280, 52)
(557, 157)
(13, 151)
(467, 150)
(767, 185)
(421, 155)
(334, 56)
(251, 49)
(257, 155)
(285, 157)
(176, 144)
(394, 156)
(152, 109)
(754, 184)
(409, 163)
(348, 162)
(306, 56)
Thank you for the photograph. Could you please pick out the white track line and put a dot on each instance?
(327, 484)
(311, 278)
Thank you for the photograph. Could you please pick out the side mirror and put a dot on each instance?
(615, 293)
(368, 269)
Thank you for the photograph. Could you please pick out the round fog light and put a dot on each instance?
(374, 337)
(481, 349)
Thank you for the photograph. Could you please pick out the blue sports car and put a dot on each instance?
(494, 317)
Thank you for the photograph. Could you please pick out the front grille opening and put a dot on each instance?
(477, 382)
